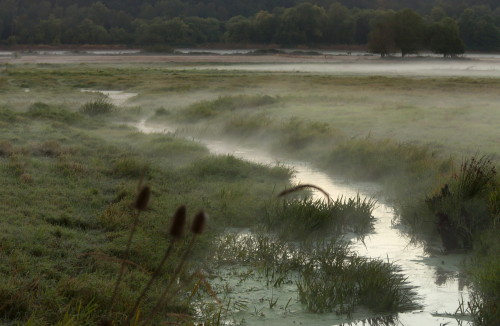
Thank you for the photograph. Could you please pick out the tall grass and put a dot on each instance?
(308, 217)
(335, 279)
(467, 205)
(329, 276)
(98, 106)
(210, 109)
(68, 194)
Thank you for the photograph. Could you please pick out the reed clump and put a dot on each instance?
(334, 279)
(99, 106)
(211, 109)
(307, 217)
(329, 276)
(467, 205)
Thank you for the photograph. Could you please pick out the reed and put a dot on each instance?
(99, 106)
(308, 217)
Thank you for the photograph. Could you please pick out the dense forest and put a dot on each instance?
(387, 26)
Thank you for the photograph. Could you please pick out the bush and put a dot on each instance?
(467, 204)
(97, 107)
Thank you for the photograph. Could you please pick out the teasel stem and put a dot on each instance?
(176, 231)
(196, 228)
(141, 203)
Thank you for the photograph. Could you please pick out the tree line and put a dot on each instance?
(447, 28)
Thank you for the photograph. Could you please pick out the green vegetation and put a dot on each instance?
(329, 277)
(159, 25)
(69, 189)
(309, 218)
(69, 210)
(96, 107)
(210, 109)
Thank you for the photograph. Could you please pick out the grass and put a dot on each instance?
(335, 279)
(211, 109)
(69, 188)
(310, 218)
(333, 116)
(329, 277)
(97, 107)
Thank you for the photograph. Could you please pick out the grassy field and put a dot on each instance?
(69, 176)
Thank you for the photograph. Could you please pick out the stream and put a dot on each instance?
(436, 278)
(438, 282)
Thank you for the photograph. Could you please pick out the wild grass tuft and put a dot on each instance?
(307, 218)
(210, 109)
(329, 276)
(467, 205)
(335, 279)
(99, 106)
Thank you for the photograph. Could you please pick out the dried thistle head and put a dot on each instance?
(199, 222)
(178, 223)
(141, 202)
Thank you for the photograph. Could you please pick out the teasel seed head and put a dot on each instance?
(178, 223)
(199, 222)
(142, 199)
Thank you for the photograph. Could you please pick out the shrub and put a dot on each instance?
(467, 204)
(97, 107)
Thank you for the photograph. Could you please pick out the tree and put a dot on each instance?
(381, 38)
(239, 29)
(341, 25)
(266, 25)
(302, 24)
(408, 31)
(49, 31)
(204, 30)
(445, 39)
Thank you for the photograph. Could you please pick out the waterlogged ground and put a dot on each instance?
(436, 277)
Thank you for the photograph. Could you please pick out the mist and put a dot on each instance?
(390, 144)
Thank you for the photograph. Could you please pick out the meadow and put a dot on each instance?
(70, 175)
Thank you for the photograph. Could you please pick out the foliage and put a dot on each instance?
(445, 39)
(335, 279)
(210, 109)
(97, 107)
(69, 199)
(162, 24)
(309, 218)
(462, 207)
(329, 276)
